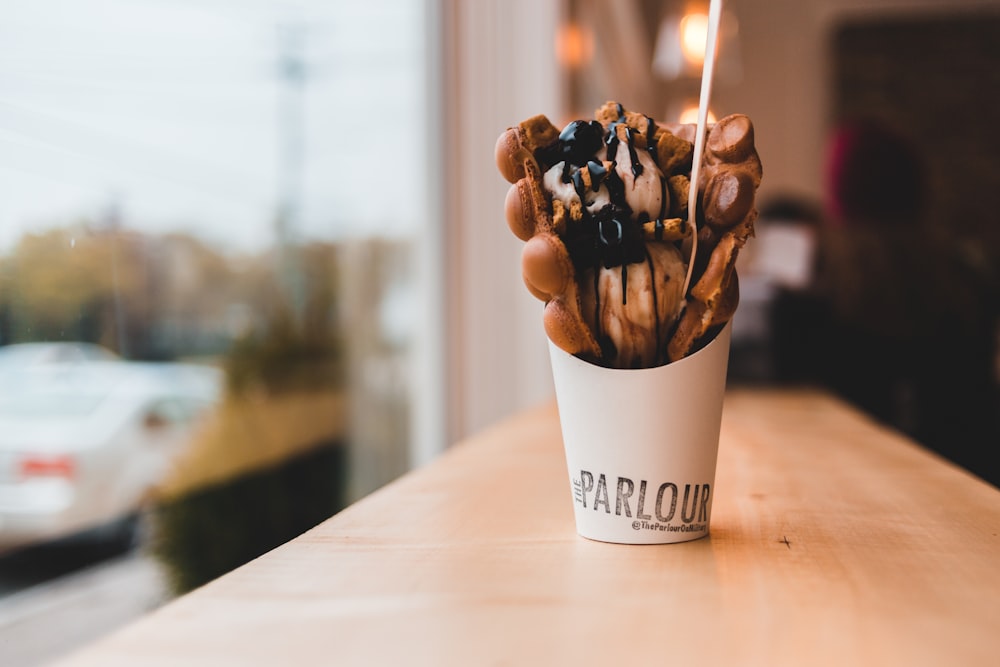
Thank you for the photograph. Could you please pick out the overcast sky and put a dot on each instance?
(171, 110)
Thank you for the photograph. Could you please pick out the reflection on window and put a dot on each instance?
(215, 185)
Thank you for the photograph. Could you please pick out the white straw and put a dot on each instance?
(714, 16)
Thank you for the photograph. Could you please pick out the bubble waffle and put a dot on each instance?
(602, 206)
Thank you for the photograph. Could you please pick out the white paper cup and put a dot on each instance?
(641, 445)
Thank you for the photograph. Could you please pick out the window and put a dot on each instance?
(298, 194)
(247, 186)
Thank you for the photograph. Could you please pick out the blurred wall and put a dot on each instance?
(786, 77)
(500, 68)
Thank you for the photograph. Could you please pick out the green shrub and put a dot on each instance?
(284, 358)
(213, 530)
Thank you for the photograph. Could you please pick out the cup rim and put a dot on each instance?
(573, 359)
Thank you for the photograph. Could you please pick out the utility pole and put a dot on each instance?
(291, 162)
(113, 225)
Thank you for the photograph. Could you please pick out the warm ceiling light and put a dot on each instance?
(694, 36)
(690, 115)
(679, 51)
(574, 45)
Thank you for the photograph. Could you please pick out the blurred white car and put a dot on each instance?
(36, 354)
(83, 442)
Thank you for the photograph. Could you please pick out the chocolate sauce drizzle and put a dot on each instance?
(613, 141)
(609, 237)
(651, 137)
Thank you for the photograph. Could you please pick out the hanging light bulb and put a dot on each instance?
(680, 44)
(693, 29)
(574, 45)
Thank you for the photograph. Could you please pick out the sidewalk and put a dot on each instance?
(45, 622)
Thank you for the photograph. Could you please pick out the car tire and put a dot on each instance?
(125, 534)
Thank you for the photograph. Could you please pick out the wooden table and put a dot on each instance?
(833, 541)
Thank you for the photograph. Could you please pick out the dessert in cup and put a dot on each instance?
(637, 293)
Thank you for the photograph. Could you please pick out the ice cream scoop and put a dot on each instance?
(631, 307)
(609, 187)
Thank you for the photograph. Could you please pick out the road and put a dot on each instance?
(51, 605)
